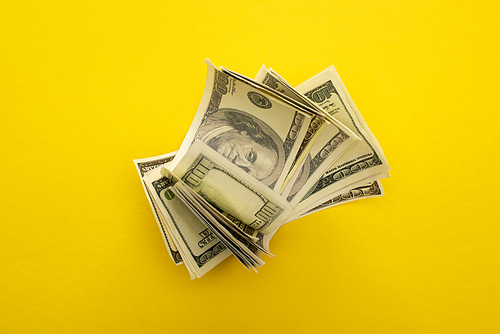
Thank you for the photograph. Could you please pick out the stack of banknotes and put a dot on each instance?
(259, 154)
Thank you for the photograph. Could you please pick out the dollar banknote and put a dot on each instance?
(369, 190)
(231, 190)
(256, 132)
(199, 248)
(258, 154)
(324, 143)
(144, 166)
(363, 160)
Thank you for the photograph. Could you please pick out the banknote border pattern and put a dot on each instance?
(221, 80)
(297, 122)
(373, 188)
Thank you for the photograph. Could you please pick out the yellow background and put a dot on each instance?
(86, 87)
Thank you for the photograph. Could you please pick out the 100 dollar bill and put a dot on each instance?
(199, 248)
(255, 131)
(231, 190)
(362, 160)
(144, 166)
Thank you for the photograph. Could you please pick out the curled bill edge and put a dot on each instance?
(260, 208)
(156, 162)
(197, 199)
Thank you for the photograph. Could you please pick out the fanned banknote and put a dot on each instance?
(256, 132)
(373, 189)
(259, 153)
(361, 162)
(231, 190)
(144, 166)
(324, 143)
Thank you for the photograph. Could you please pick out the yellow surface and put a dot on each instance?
(87, 87)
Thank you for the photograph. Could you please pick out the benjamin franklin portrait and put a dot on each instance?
(246, 141)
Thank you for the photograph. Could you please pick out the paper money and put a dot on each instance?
(373, 189)
(221, 228)
(231, 190)
(324, 142)
(199, 248)
(256, 132)
(259, 154)
(359, 162)
(144, 166)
